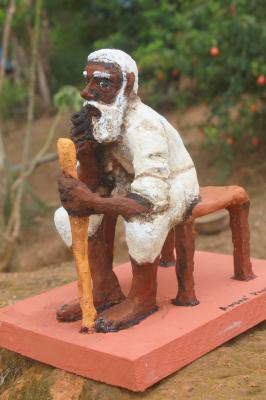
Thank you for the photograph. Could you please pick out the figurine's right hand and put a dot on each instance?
(75, 196)
(81, 131)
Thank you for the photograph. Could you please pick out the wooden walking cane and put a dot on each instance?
(79, 230)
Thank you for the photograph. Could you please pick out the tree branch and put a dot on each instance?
(6, 35)
(45, 147)
(14, 223)
(42, 160)
(5, 43)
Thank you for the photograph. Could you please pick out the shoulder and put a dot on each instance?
(144, 131)
(140, 116)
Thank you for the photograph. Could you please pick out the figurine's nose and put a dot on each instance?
(89, 93)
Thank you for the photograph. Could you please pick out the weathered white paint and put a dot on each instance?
(62, 225)
(119, 57)
(164, 174)
(151, 150)
(233, 325)
(101, 74)
(107, 128)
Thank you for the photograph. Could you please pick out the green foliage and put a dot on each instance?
(222, 43)
(171, 40)
(13, 99)
(217, 46)
(68, 98)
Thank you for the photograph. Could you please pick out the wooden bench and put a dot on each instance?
(182, 239)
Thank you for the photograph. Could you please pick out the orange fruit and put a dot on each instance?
(214, 51)
(261, 81)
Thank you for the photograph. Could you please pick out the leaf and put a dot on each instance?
(68, 98)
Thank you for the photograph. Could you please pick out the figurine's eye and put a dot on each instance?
(103, 83)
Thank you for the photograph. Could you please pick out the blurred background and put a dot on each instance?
(202, 64)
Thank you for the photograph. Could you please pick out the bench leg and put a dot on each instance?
(240, 237)
(167, 258)
(185, 247)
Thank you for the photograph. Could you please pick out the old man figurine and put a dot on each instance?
(146, 176)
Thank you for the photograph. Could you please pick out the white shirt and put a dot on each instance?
(153, 152)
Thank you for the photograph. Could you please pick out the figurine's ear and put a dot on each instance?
(130, 83)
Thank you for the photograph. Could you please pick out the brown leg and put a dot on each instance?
(240, 237)
(140, 303)
(167, 255)
(185, 247)
(106, 288)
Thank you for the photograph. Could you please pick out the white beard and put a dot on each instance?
(108, 127)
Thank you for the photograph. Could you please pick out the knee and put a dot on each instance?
(62, 224)
(144, 245)
(142, 256)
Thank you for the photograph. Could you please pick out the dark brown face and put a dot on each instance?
(103, 82)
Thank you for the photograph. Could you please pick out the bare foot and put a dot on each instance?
(69, 312)
(123, 315)
(185, 300)
(140, 303)
(107, 293)
(104, 299)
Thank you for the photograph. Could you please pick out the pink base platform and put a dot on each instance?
(138, 357)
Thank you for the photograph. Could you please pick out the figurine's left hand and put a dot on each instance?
(75, 196)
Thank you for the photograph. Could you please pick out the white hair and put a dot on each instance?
(119, 57)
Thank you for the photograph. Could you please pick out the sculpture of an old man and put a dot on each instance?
(132, 163)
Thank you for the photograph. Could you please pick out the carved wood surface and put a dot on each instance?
(79, 230)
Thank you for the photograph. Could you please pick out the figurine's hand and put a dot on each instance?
(75, 196)
(81, 131)
(130, 208)
(79, 201)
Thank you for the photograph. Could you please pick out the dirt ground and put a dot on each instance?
(40, 245)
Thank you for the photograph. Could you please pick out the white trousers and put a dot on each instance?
(144, 239)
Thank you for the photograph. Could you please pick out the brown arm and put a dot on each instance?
(121, 205)
(89, 171)
(78, 200)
